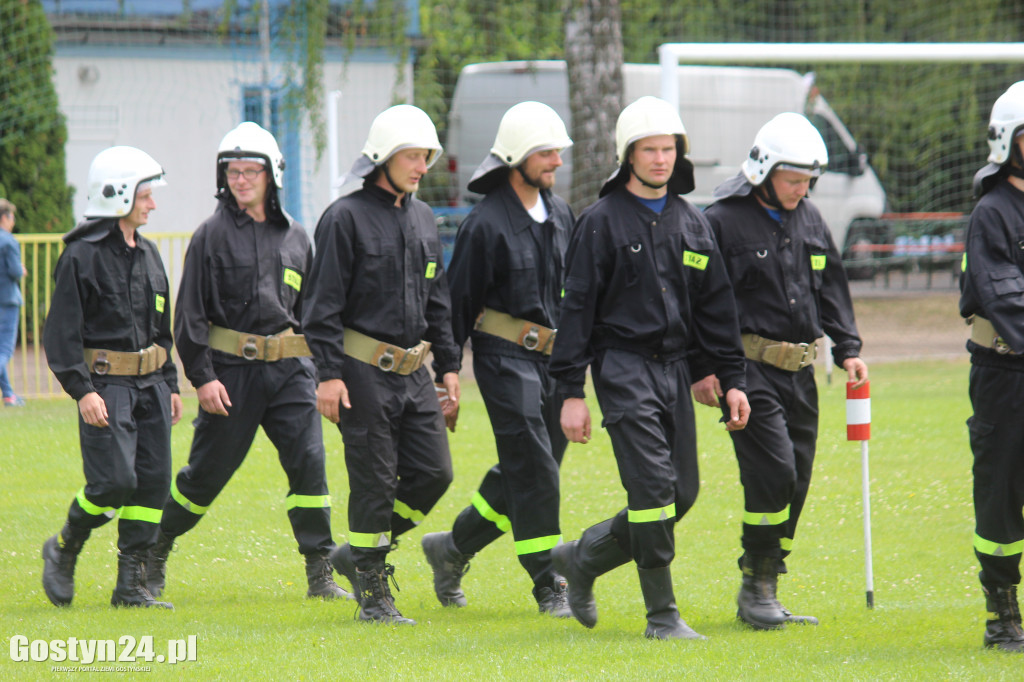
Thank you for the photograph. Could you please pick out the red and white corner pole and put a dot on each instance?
(858, 427)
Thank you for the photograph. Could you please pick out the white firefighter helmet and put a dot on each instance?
(1006, 122)
(250, 142)
(647, 117)
(788, 141)
(114, 178)
(401, 127)
(526, 128)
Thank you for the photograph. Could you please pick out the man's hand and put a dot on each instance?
(176, 408)
(857, 371)
(576, 420)
(739, 409)
(449, 393)
(707, 391)
(330, 395)
(93, 410)
(213, 398)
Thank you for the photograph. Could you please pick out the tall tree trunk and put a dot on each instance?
(593, 53)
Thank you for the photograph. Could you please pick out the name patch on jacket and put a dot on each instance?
(160, 301)
(817, 262)
(695, 260)
(293, 279)
(431, 270)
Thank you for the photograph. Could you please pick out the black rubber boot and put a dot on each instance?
(449, 565)
(131, 583)
(321, 582)
(663, 621)
(341, 558)
(1003, 629)
(60, 553)
(156, 564)
(582, 561)
(554, 600)
(375, 600)
(758, 607)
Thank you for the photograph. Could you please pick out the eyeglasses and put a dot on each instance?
(249, 173)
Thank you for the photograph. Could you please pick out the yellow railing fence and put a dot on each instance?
(29, 374)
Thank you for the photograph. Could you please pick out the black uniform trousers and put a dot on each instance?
(127, 464)
(649, 417)
(280, 397)
(997, 441)
(396, 453)
(521, 492)
(776, 455)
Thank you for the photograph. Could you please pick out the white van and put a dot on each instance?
(722, 108)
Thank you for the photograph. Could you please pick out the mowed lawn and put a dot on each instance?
(238, 584)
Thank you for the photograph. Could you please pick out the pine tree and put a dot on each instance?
(32, 129)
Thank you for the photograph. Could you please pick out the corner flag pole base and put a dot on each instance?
(871, 599)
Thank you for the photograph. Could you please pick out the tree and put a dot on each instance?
(32, 129)
(593, 55)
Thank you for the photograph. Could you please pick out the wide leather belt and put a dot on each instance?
(782, 354)
(535, 337)
(385, 356)
(985, 335)
(124, 363)
(271, 348)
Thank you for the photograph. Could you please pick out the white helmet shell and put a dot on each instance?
(401, 127)
(1006, 121)
(790, 141)
(250, 141)
(527, 128)
(646, 117)
(114, 178)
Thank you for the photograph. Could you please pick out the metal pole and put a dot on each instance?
(866, 492)
(265, 59)
(333, 162)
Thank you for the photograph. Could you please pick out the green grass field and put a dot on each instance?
(238, 585)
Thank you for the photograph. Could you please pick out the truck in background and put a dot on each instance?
(722, 108)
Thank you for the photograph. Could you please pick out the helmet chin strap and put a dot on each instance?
(644, 182)
(526, 178)
(766, 192)
(387, 176)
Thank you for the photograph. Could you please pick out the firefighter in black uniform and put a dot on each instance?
(238, 310)
(108, 341)
(992, 298)
(645, 282)
(378, 303)
(790, 286)
(506, 281)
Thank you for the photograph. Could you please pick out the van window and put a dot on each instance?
(840, 160)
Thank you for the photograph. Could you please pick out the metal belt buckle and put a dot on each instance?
(272, 348)
(531, 339)
(550, 344)
(144, 361)
(808, 348)
(100, 365)
(250, 351)
(386, 360)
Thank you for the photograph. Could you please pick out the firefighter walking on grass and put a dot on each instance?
(645, 283)
(506, 278)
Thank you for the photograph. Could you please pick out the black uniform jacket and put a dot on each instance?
(992, 283)
(379, 270)
(110, 296)
(506, 261)
(788, 277)
(646, 283)
(241, 276)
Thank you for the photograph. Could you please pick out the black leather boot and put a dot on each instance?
(554, 600)
(663, 621)
(341, 558)
(156, 564)
(131, 583)
(60, 553)
(757, 605)
(375, 600)
(1003, 629)
(582, 561)
(321, 582)
(449, 565)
